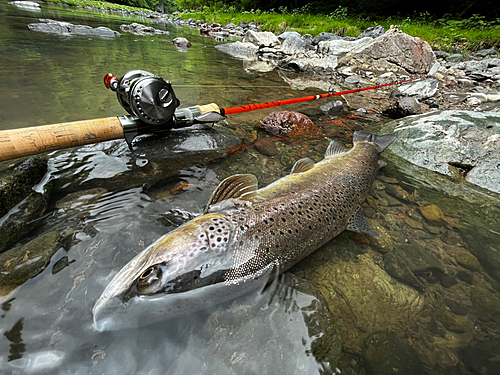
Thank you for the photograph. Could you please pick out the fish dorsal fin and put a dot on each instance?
(358, 224)
(238, 186)
(302, 165)
(336, 148)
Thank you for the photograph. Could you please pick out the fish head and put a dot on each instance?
(171, 277)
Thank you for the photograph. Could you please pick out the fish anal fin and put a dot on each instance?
(358, 224)
(336, 148)
(302, 165)
(238, 186)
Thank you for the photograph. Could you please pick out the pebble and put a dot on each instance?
(465, 277)
(456, 307)
(467, 260)
(266, 147)
(448, 281)
(431, 212)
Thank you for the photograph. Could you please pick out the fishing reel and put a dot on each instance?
(144, 95)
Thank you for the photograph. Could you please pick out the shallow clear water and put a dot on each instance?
(296, 326)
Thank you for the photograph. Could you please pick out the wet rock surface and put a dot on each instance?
(49, 26)
(152, 159)
(17, 178)
(24, 262)
(463, 144)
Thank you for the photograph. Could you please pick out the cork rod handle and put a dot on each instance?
(16, 143)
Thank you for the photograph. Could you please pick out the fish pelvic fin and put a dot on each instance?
(382, 141)
(358, 224)
(336, 148)
(238, 186)
(302, 165)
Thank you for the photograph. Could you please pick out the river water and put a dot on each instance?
(345, 309)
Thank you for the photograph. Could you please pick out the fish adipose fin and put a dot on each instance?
(336, 148)
(358, 224)
(382, 141)
(238, 186)
(302, 165)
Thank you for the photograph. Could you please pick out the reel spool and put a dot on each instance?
(142, 94)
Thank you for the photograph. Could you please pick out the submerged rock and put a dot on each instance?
(113, 166)
(21, 263)
(292, 126)
(21, 219)
(17, 178)
(363, 299)
(139, 29)
(460, 144)
(385, 353)
(403, 107)
(49, 26)
(394, 51)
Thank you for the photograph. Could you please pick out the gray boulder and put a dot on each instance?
(293, 44)
(49, 26)
(395, 52)
(261, 38)
(139, 29)
(283, 36)
(421, 89)
(324, 37)
(341, 47)
(460, 144)
(240, 50)
(324, 67)
(372, 32)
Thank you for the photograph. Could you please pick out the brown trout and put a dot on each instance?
(245, 237)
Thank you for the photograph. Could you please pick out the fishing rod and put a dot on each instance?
(152, 107)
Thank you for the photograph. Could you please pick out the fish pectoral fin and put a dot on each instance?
(238, 186)
(358, 224)
(336, 148)
(302, 165)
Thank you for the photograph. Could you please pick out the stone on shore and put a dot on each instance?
(26, 5)
(341, 47)
(261, 38)
(240, 50)
(139, 29)
(395, 52)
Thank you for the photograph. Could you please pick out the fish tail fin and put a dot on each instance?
(382, 141)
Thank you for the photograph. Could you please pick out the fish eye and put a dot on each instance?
(150, 280)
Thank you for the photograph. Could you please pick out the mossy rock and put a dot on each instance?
(17, 178)
(21, 263)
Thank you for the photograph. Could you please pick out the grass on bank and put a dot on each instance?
(442, 34)
(98, 5)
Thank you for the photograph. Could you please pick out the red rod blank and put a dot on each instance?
(277, 103)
